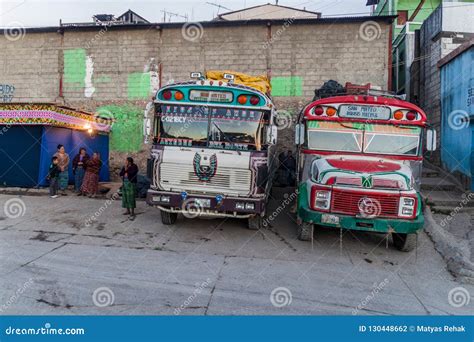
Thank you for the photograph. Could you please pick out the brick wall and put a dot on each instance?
(117, 69)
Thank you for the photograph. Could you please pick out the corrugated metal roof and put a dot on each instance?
(453, 54)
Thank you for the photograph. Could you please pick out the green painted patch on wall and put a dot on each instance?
(287, 86)
(127, 130)
(138, 86)
(75, 66)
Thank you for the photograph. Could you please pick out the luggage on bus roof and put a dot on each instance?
(260, 83)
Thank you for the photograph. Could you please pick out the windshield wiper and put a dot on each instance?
(226, 137)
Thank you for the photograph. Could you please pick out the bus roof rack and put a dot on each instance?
(333, 88)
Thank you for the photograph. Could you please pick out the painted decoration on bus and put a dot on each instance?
(364, 112)
(211, 96)
(203, 126)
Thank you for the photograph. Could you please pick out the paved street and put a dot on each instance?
(204, 267)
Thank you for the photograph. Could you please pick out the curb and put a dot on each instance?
(25, 191)
(457, 254)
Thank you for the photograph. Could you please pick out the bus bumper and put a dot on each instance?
(379, 225)
(205, 205)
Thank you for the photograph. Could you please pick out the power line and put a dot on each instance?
(218, 7)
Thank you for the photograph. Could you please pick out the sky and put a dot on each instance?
(35, 13)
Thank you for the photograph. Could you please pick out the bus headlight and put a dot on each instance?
(165, 199)
(321, 199)
(249, 206)
(407, 207)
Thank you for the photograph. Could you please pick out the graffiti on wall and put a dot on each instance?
(127, 130)
(6, 92)
(138, 85)
(287, 86)
(79, 74)
(75, 67)
(88, 86)
(78, 70)
(153, 68)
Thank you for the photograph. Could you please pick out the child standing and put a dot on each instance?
(53, 177)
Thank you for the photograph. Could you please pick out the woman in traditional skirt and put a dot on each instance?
(79, 168)
(90, 184)
(129, 188)
(63, 163)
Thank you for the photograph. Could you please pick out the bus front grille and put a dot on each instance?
(347, 202)
(225, 181)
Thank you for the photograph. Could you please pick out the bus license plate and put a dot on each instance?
(330, 219)
(202, 202)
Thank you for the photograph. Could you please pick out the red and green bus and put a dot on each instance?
(359, 168)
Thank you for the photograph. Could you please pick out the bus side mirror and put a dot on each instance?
(299, 134)
(272, 135)
(431, 140)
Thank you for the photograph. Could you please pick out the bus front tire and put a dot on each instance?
(255, 223)
(168, 218)
(305, 231)
(404, 242)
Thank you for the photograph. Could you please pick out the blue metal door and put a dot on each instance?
(472, 156)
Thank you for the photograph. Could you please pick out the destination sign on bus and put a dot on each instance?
(364, 112)
(211, 96)
(177, 114)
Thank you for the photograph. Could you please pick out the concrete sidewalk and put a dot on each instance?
(449, 221)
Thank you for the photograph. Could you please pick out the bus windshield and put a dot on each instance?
(364, 138)
(223, 128)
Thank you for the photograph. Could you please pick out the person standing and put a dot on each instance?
(79, 168)
(129, 174)
(53, 177)
(63, 163)
(90, 184)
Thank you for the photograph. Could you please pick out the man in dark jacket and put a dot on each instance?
(129, 188)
